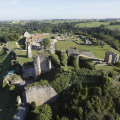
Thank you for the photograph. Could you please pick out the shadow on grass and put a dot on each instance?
(22, 56)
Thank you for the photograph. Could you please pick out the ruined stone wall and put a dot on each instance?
(40, 95)
(44, 64)
(111, 57)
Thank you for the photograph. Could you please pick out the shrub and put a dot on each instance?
(84, 64)
(4, 84)
(55, 60)
(58, 53)
(112, 74)
(64, 59)
(32, 105)
(117, 64)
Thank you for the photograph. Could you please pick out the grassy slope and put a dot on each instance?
(98, 51)
(7, 105)
(7, 100)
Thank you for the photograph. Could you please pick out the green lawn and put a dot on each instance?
(49, 36)
(91, 24)
(98, 51)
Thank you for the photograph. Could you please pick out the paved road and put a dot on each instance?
(21, 113)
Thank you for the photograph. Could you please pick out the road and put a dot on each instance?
(21, 113)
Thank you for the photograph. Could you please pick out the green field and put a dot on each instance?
(98, 51)
(114, 27)
(91, 24)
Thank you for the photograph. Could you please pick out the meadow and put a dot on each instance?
(91, 24)
(97, 51)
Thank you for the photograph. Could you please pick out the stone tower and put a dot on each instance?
(29, 52)
(37, 67)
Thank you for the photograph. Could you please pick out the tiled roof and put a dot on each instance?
(37, 36)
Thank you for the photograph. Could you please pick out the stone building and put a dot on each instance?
(111, 57)
(26, 34)
(34, 40)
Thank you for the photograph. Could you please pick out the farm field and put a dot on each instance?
(114, 27)
(91, 24)
(97, 51)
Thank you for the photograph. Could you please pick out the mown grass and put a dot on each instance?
(91, 24)
(98, 51)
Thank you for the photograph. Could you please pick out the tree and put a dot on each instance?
(55, 60)
(33, 106)
(102, 43)
(98, 91)
(75, 62)
(64, 59)
(45, 113)
(46, 42)
(80, 113)
(16, 36)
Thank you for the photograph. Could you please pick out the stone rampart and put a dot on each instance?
(41, 94)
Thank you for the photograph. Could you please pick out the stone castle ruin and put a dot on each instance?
(39, 65)
(40, 95)
(73, 51)
(29, 52)
(111, 57)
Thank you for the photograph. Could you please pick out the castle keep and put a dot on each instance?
(39, 65)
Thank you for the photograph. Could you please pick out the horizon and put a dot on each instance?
(32, 10)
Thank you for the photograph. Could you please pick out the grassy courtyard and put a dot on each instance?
(98, 51)
(12, 45)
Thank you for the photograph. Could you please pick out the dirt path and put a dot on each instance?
(90, 57)
(19, 46)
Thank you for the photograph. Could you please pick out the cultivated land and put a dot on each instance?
(98, 51)
(91, 24)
